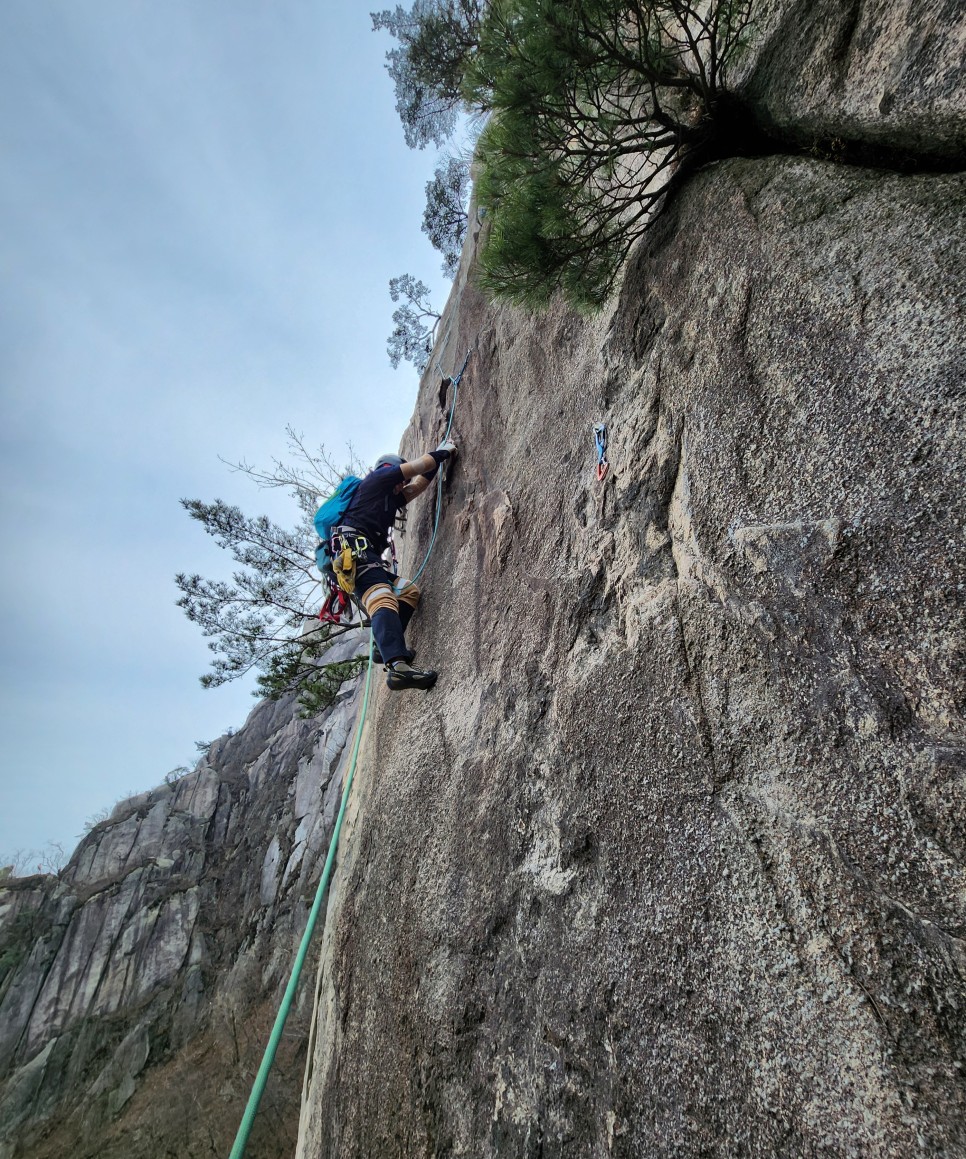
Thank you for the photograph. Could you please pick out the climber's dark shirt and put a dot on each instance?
(373, 509)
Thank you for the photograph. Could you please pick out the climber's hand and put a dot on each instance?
(449, 446)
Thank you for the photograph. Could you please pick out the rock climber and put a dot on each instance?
(389, 602)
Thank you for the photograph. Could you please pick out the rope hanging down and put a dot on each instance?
(258, 1087)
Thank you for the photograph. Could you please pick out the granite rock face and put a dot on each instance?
(671, 860)
(889, 74)
(138, 988)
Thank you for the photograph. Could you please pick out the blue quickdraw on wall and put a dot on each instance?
(600, 438)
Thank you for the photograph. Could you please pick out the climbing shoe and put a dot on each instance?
(402, 676)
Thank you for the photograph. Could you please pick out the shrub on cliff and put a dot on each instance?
(598, 107)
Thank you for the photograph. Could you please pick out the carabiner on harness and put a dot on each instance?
(344, 566)
(347, 547)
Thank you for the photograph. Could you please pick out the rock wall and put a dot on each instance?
(138, 988)
(671, 861)
(839, 73)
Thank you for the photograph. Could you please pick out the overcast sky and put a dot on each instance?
(202, 204)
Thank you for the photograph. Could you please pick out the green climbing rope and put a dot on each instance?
(241, 1139)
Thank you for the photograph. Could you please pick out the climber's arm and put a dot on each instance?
(417, 486)
(422, 471)
(424, 464)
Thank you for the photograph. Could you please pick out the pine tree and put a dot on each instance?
(264, 619)
(415, 322)
(435, 38)
(599, 108)
(445, 219)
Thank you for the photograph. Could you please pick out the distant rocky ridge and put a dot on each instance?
(139, 986)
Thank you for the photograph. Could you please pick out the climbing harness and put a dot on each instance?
(348, 548)
(600, 439)
(345, 554)
(268, 1058)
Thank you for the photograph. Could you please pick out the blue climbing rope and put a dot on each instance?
(439, 481)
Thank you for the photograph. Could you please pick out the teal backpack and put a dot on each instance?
(330, 515)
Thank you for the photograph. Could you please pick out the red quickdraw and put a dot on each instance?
(335, 607)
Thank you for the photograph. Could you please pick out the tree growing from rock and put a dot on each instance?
(599, 107)
(264, 619)
(445, 218)
(415, 322)
(436, 38)
(597, 110)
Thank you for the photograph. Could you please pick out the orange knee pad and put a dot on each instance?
(409, 595)
(379, 597)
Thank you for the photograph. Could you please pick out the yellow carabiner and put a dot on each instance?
(344, 566)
